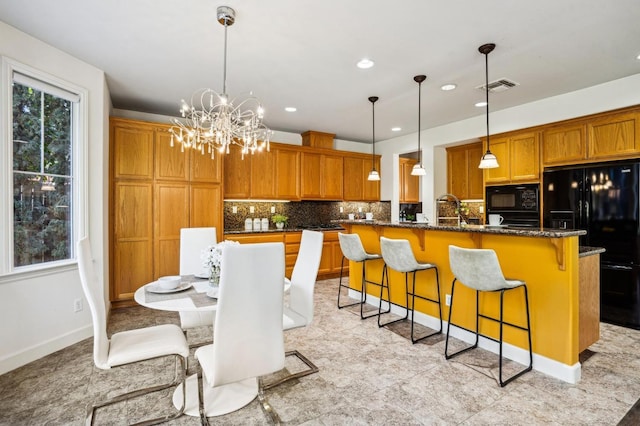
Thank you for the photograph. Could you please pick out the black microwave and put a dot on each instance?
(512, 198)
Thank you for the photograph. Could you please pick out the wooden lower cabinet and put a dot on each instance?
(331, 253)
(589, 305)
(132, 239)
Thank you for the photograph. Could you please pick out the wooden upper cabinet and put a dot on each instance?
(614, 136)
(287, 174)
(524, 153)
(321, 176)
(500, 148)
(206, 169)
(353, 172)
(518, 157)
(311, 170)
(356, 185)
(464, 178)
(476, 185)
(564, 144)
(132, 150)
(332, 172)
(171, 162)
(409, 184)
(237, 172)
(371, 187)
(262, 176)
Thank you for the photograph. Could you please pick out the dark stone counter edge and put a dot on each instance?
(585, 251)
(525, 232)
(270, 231)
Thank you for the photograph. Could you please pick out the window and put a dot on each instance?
(43, 130)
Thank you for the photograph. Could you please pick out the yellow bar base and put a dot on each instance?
(549, 266)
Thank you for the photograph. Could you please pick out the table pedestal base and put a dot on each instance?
(217, 401)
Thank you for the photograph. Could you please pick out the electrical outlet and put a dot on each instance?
(481, 209)
(77, 305)
(341, 209)
(273, 209)
(234, 209)
(252, 209)
(447, 300)
(359, 209)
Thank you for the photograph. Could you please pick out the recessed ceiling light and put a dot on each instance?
(291, 109)
(638, 57)
(396, 129)
(365, 63)
(447, 87)
(481, 104)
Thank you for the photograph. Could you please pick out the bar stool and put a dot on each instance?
(353, 250)
(480, 270)
(397, 255)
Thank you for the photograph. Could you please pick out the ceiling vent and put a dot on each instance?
(499, 85)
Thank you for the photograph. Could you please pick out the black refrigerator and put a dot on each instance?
(603, 199)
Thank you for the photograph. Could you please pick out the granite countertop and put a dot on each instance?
(484, 229)
(584, 251)
(332, 227)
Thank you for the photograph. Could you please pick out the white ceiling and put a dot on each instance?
(303, 53)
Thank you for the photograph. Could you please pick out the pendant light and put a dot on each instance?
(373, 174)
(418, 170)
(488, 161)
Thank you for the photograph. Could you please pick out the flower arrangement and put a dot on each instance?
(211, 259)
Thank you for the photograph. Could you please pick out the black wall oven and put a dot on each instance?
(517, 204)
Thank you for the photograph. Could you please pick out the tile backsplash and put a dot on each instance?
(302, 213)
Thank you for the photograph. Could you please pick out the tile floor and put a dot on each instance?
(367, 376)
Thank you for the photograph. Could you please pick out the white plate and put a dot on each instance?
(496, 226)
(202, 275)
(213, 292)
(155, 288)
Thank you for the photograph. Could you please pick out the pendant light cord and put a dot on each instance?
(224, 68)
(419, 115)
(486, 90)
(373, 157)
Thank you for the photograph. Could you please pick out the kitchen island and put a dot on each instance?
(548, 260)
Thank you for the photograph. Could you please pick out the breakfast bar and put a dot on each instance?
(562, 293)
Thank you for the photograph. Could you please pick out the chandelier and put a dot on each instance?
(212, 121)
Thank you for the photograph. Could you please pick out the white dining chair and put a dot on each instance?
(249, 340)
(299, 312)
(192, 242)
(129, 346)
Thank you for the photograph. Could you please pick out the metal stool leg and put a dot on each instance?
(406, 316)
(413, 301)
(447, 355)
(528, 329)
(340, 286)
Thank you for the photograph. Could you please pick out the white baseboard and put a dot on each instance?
(25, 356)
(550, 367)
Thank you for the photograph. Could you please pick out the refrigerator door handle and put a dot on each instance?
(586, 211)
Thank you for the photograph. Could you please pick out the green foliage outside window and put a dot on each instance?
(42, 148)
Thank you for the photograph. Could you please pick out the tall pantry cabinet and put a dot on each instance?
(155, 191)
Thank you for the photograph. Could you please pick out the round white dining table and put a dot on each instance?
(191, 299)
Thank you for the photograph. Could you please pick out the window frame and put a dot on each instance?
(79, 171)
